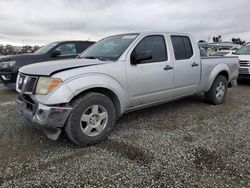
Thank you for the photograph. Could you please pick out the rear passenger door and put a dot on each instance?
(186, 66)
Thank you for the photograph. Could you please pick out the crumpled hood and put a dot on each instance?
(48, 68)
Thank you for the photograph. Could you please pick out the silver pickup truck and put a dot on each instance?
(118, 74)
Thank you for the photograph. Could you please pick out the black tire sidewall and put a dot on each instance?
(80, 107)
(217, 81)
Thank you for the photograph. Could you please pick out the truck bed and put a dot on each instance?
(208, 68)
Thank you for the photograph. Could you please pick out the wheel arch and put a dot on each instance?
(221, 69)
(105, 91)
(225, 74)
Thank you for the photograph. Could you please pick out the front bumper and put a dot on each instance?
(244, 76)
(50, 118)
(8, 79)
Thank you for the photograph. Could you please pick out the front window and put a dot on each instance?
(110, 48)
(245, 50)
(154, 44)
(67, 49)
(46, 48)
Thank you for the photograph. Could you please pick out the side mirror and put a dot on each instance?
(233, 53)
(143, 56)
(56, 53)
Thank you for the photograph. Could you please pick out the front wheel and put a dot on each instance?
(91, 120)
(218, 91)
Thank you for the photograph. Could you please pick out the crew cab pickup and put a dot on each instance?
(9, 65)
(85, 96)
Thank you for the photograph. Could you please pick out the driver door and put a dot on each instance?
(151, 80)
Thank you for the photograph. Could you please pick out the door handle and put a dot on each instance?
(168, 68)
(195, 64)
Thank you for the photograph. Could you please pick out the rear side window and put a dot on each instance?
(182, 47)
(155, 44)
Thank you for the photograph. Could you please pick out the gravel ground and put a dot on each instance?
(186, 143)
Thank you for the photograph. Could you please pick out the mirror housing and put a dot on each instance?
(143, 56)
(56, 53)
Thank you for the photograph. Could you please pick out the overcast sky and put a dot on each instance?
(43, 21)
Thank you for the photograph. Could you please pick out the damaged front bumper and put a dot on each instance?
(50, 118)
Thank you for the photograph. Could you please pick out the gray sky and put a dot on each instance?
(43, 21)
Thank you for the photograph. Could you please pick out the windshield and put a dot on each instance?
(46, 48)
(245, 50)
(110, 48)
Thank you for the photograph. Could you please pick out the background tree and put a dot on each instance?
(27, 49)
(1, 49)
(9, 49)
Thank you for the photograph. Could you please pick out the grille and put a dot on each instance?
(245, 63)
(30, 84)
(30, 104)
(27, 84)
(244, 71)
(244, 67)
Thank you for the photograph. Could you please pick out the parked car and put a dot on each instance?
(244, 55)
(119, 74)
(9, 65)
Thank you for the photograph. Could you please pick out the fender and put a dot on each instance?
(72, 87)
(215, 72)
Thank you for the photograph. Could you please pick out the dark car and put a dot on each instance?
(9, 65)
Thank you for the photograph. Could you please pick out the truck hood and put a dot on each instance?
(49, 68)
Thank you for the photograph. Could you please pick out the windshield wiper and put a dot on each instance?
(89, 57)
(96, 57)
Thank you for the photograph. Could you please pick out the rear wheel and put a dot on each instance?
(218, 91)
(92, 118)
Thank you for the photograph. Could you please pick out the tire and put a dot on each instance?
(91, 120)
(218, 91)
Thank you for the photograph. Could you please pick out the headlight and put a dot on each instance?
(7, 64)
(46, 85)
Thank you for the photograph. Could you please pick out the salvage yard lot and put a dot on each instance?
(183, 143)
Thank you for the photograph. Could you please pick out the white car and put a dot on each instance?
(244, 55)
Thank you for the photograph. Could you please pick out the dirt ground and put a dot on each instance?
(185, 143)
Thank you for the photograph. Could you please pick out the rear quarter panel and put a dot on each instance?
(212, 66)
